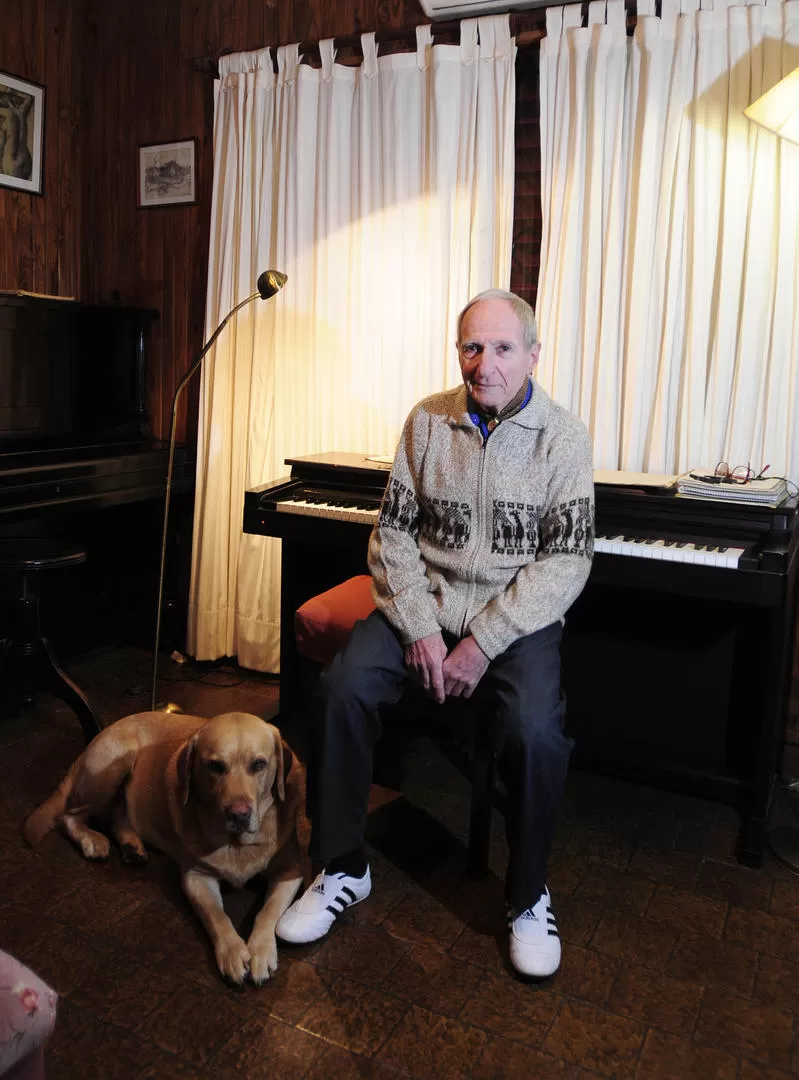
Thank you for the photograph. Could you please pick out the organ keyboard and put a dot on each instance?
(677, 656)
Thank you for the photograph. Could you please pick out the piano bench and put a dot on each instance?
(27, 661)
(322, 626)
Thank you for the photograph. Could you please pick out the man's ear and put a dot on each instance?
(535, 355)
(186, 767)
(283, 760)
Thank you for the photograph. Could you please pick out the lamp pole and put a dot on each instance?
(269, 283)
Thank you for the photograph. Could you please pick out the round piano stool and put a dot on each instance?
(322, 626)
(27, 661)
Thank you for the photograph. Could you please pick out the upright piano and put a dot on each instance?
(677, 656)
(77, 460)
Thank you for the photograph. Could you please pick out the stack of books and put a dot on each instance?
(702, 484)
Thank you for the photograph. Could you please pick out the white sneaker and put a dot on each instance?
(310, 917)
(534, 940)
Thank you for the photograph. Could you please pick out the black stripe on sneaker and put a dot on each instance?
(348, 891)
(552, 933)
(343, 902)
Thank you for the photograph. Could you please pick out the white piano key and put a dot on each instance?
(731, 557)
(658, 549)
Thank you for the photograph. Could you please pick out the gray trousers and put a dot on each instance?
(521, 687)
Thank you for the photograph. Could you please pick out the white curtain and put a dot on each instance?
(385, 192)
(669, 289)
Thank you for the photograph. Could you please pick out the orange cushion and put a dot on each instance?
(323, 623)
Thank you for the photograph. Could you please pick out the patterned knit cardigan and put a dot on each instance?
(490, 538)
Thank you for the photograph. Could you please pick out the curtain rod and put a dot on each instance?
(351, 43)
(522, 26)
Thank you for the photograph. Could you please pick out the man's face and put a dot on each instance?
(494, 360)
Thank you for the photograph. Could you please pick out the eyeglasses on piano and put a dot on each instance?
(738, 474)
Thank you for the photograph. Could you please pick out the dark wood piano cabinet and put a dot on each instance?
(77, 462)
(676, 674)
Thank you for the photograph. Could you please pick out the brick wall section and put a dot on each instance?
(527, 198)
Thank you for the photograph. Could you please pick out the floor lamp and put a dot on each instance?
(269, 283)
(778, 111)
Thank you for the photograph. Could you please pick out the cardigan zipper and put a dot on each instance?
(481, 474)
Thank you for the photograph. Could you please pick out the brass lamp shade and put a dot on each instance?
(778, 109)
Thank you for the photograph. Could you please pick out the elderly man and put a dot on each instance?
(484, 540)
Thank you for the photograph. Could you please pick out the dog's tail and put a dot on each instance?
(44, 818)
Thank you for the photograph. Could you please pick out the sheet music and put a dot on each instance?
(624, 478)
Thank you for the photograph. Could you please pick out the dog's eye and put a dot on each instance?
(258, 765)
(215, 766)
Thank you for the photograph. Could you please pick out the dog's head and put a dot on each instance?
(233, 769)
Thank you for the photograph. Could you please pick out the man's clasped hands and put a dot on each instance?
(442, 674)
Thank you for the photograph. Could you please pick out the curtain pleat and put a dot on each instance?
(668, 297)
(385, 192)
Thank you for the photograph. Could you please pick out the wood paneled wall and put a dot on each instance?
(140, 86)
(121, 74)
(40, 235)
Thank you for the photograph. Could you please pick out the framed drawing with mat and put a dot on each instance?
(21, 134)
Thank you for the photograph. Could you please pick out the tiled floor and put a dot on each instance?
(678, 962)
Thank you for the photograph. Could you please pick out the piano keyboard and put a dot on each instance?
(639, 547)
(339, 509)
(644, 547)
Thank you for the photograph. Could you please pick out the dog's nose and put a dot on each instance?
(238, 814)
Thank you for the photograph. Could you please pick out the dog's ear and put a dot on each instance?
(283, 758)
(186, 767)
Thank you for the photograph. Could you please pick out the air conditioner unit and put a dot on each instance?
(465, 9)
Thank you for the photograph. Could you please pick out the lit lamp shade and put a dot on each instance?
(778, 110)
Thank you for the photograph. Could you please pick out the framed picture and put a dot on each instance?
(21, 134)
(168, 174)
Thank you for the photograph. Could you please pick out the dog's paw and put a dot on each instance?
(132, 855)
(263, 954)
(233, 960)
(94, 845)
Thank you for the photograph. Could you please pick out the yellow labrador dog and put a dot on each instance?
(223, 797)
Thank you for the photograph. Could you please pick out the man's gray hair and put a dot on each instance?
(523, 311)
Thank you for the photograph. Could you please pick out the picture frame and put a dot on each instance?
(21, 134)
(167, 174)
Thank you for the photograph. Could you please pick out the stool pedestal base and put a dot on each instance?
(28, 664)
